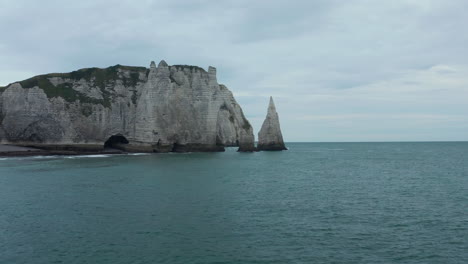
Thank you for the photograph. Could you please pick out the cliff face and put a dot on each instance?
(270, 136)
(160, 109)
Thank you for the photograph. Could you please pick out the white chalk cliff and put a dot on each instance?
(270, 137)
(160, 109)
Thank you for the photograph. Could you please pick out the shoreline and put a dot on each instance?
(20, 151)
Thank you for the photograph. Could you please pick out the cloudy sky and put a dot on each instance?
(354, 70)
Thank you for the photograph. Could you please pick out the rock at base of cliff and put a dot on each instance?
(271, 147)
(163, 108)
(247, 142)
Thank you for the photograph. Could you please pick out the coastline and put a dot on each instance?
(20, 151)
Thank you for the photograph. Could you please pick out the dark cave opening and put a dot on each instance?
(114, 141)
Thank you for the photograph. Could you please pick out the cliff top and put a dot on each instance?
(190, 67)
(100, 74)
(100, 77)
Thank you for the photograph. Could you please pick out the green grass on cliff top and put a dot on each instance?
(100, 78)
(190, 67)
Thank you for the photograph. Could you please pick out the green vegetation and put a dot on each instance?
(224, 107)
(134, 79)
(190, 67)
(134, 97)
(63, 90)
(100, 78)
(246, 124)
(222, 87)
(103, 77)
(86, 110)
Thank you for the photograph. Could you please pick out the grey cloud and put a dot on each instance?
(294, 50)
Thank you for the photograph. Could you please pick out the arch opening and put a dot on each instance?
(116, 141)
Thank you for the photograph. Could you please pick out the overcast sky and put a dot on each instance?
(354, 70)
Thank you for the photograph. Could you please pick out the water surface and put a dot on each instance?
(316, 203)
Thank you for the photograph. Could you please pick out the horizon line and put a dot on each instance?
(391, 141)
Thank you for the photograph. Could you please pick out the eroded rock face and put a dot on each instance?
(160, 109)
(270, 137)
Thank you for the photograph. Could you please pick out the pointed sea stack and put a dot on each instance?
(270, 137)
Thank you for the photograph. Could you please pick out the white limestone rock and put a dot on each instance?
(160, 109)
(270, 137)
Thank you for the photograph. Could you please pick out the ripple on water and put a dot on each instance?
(315, 203)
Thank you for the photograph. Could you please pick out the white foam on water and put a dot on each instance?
(43, 157)
(28, 158)
(9, 158)
(88, 156)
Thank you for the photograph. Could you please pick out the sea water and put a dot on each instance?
(315, 203)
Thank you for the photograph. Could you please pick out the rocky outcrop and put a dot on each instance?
(160, 109)
(270, 137)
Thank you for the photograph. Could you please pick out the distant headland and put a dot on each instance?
(163, 108)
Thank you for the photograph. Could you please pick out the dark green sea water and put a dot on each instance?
(316, 203)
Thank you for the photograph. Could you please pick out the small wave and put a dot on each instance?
(43, 157)
(28, 158)
(10, 158)
(139, 154)
(88, 156)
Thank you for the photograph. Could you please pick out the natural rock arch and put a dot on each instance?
(81, 109)
(116, 141)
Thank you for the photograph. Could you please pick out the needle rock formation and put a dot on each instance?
(164, 108)
(270, 137)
